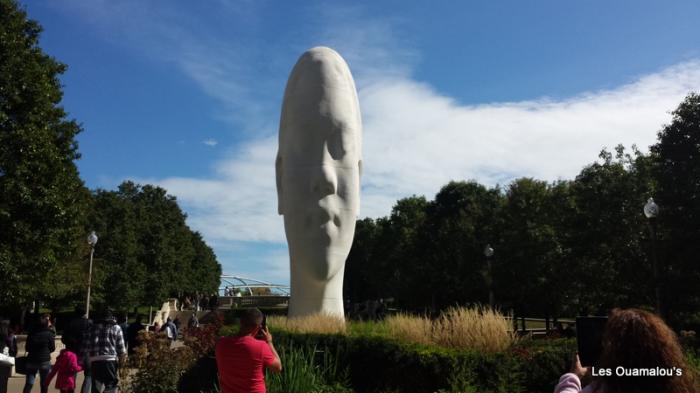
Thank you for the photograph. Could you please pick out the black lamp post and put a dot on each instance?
(488, 253)
(651, 211)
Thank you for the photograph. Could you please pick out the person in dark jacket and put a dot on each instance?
(132, 334)
(40, 343)
(8, 346)
(213, 302)
(169, 329)
(74, 336)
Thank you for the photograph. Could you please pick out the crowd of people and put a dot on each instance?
(199, 302)
(96, 347)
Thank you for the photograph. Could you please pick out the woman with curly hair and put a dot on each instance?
(642, 355)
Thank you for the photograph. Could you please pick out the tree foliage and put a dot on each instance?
(42, 198)
(146, 251)
(561, 248)
(676, 159)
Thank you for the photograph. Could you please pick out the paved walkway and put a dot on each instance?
(16, 384)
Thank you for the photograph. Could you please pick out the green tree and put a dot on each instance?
(360, 261)
(677, 173)
(461, 220)
(524, 251)
(403, 268)
(146, 252)
(205, 270)
(42, 198)
(608, 246)
(122, 275)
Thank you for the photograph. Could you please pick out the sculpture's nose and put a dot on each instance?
(326, 182)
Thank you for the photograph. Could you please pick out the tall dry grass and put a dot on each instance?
(476, 328)
(317, 323)
(411, 328)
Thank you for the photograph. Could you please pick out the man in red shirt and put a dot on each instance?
(241, 359)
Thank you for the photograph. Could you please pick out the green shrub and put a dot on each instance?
(368, 361)
(379, 364)
(231, 316)
(306, 372)
(158, 366)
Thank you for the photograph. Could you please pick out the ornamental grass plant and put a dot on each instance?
(410, 328)
(471, 328)
(477, 328)
(317, 323)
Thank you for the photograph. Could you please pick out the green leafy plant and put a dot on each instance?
(307, 370)
(158, 367)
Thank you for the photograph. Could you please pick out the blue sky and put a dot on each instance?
(187, 95)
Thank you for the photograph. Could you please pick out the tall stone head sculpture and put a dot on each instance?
(318, 178)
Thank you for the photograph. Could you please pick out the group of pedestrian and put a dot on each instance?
(94, 348)
(198, 302)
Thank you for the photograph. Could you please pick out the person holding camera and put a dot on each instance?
(640, 353)
(241, 359)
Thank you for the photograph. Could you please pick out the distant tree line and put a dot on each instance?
(560, 248)
(145, 251)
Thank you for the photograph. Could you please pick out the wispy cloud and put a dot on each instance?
(415, 138)
(210, 142)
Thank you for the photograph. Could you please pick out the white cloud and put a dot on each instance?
(416, 140)
(210, 142)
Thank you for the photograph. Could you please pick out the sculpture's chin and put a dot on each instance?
(321, 263)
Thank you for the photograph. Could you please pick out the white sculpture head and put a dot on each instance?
(318, 176)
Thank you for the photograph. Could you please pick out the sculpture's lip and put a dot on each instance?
(327, 231)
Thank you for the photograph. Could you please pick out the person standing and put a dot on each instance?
(74, 337)
(40, 343)
(132, 334)
(8, 347)
(105, 347)
(213, 302)
(170, 330)
(124, 324)
(242, 359)
(177, 323)
(193, 322)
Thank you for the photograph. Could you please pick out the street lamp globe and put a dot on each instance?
(488, 251)
(651, 209)
(92, 239)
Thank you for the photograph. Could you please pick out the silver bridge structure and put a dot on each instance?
(243, 292)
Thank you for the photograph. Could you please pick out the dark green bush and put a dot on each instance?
(376, 363)
(379, 364)
(231, 316)
(308, 370)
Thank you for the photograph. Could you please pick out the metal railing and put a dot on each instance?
(267, 301)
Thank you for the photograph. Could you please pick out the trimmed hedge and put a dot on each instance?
(379, 364)
(231, 316)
